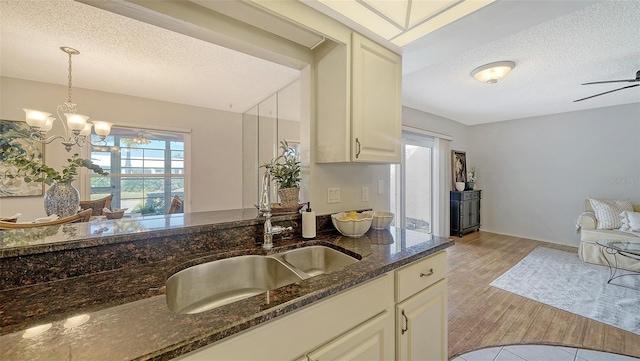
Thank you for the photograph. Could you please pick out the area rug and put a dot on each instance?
(560, 279)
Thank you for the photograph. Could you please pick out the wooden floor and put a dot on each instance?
(481, 316)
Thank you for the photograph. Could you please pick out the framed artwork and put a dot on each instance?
(459, 167)
(17, 135)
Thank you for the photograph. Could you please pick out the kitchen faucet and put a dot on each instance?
(265, 210)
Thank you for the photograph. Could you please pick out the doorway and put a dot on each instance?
(412, 184)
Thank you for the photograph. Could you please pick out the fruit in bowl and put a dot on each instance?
(352, 224)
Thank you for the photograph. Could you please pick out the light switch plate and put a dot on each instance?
(365, 194)
(333, 195)
(380, 186)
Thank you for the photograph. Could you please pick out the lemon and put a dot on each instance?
(352, 215)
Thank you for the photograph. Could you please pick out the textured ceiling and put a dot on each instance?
(598, 42)
(557, 45)
(122, 55)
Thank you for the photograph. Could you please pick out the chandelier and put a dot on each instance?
(141, 139)
(77, 129)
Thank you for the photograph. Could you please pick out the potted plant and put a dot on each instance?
(62, 198)
(285, 170)
(471, 178)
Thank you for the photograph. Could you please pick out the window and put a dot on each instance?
(142, 177)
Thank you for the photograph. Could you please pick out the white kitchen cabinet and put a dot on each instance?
(421, 310)
(376, 103)
(359, 105)
(370, 341)
(421, 330)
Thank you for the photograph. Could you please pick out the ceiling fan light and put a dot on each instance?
(492, 72)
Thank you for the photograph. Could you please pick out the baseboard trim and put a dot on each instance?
(531, 238)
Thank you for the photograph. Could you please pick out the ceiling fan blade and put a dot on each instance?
(613, 81)
(610, 91)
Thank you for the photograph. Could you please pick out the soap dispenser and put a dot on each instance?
(309, 223)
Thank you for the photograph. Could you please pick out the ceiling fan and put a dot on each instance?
(636, 80)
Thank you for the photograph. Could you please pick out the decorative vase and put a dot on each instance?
(289, 197)
(469, 186)
(460, 186)
(62, 199)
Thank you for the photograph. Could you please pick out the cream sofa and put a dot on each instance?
(590, 251)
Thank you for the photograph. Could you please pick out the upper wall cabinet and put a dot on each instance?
(359, 114)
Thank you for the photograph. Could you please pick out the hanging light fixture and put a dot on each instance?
(492, 72)
(77, 129)
(141, 139)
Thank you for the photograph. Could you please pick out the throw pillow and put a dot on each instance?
(630, 221)
(608, 212)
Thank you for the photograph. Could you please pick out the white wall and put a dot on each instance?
(426, 121)
(535, 173)
(216, 138)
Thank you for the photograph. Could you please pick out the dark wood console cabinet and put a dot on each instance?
(465, 212)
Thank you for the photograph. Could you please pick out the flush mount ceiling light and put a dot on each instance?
(77, 129)
(399, 21)
(492, 72)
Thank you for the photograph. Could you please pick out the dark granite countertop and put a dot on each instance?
(102, 231)
(146, 329)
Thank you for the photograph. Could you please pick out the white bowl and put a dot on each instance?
(352, 227)
(381, 220)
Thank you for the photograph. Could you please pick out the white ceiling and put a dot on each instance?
(126, 56)
(556, 45)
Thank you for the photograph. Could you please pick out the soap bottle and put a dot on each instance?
(309, 223)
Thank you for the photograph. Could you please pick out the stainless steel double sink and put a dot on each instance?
(214, 284)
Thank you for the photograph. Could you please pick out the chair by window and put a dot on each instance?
(176, 205)
(97, 204)
(82, 216)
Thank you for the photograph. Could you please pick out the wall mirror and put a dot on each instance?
(264, 126)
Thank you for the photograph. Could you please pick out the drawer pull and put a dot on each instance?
(427, 274)
(405, 327)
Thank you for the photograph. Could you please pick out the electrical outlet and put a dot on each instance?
(380, 186)
(365, 194)
(333, 195)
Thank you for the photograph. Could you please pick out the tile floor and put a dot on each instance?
(539, 353)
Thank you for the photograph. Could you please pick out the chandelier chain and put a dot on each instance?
(69, 78)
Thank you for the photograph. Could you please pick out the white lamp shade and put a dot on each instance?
(48, 124)
(102, 128)
(87, 129)
(76, 121)
(36, 118)
(491, 73)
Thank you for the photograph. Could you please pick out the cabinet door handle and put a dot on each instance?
(427, 274)
(405, 327)
(357, 148)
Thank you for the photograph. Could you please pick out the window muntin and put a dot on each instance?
(142, 177)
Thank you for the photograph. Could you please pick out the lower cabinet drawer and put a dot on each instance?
(419, 275)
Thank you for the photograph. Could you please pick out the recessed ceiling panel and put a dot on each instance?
(424, 9)
(452, 14)
(395, 11)
(364, 16)
(399, 21)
